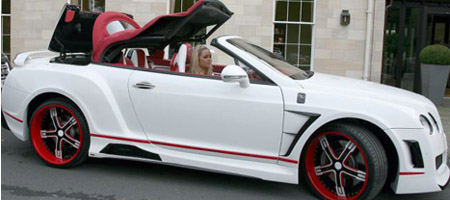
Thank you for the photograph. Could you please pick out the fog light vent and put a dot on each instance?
(416, 154)
(438, 161)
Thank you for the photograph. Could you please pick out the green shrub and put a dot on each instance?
(435, 55)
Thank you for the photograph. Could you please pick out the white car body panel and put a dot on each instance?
(209, 113)
(227, 119)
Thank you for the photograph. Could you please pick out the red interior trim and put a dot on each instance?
(69, 16)
(141, 58)
(218, 68)
(100, 41)
(157, 61)
(197, 148)
(9, 115)
(411, 173)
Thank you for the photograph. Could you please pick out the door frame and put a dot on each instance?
(398, 71)
(425, 8)
(423, 42)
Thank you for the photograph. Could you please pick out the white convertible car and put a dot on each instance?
(111, 94)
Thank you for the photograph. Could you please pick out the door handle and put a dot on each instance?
(144, 85)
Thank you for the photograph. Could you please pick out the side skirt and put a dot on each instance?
(102, 147)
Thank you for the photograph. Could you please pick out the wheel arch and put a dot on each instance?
(41, 98)
(378, 132)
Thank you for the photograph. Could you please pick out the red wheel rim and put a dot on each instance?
(56, 134)
(336, 166)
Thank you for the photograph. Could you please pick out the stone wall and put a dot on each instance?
(340, 49)
(142, 10)
(32, 24)
(252, 19)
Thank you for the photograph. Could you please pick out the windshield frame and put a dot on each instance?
(215, 42)
(272, 60)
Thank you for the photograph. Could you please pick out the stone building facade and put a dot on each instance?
(335, 49)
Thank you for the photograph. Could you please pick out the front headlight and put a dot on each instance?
(426, 124)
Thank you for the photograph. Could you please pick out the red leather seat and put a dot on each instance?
(181, 58)
(138, 58)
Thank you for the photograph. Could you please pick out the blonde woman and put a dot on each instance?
(201, 61)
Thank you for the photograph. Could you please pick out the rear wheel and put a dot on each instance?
(59, 133)
(344, 161)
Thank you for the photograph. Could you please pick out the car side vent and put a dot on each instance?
(438, 161)
(130, 151)
(416, 154)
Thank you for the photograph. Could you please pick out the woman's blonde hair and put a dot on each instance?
(195, 61)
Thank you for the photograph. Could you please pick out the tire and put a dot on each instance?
(59, 133)
(344, 161)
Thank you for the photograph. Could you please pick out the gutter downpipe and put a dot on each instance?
(369, 40)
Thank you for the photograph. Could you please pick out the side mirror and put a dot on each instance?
(233, 74)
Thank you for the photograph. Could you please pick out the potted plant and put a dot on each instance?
(435, 66)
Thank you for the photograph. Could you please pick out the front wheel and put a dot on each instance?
(344, 161)
(59, 133)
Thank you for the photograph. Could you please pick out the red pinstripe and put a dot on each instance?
(9, 115)
(197, 148)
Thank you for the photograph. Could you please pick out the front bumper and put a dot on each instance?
(415, 146)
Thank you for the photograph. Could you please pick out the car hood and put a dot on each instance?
(365, 90)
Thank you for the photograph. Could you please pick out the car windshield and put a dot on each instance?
(276, 61)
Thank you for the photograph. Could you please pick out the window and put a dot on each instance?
(293, 30)
(6, 27)
(90, 5)
(182, 6)
(271, 59)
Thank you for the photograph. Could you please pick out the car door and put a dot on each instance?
(205, 114)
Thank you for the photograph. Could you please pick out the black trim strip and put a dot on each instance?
(129, 151)
(312, 118)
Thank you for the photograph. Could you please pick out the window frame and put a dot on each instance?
(236, 58)
(3, 15)
(313, 29)
(81, 4)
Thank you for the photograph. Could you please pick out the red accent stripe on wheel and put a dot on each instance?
(411, 173)
(9, 115)
(120, 138)
(197, 148)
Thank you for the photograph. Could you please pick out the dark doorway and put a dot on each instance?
(438, 32)
(410, 26)
(438, 28)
